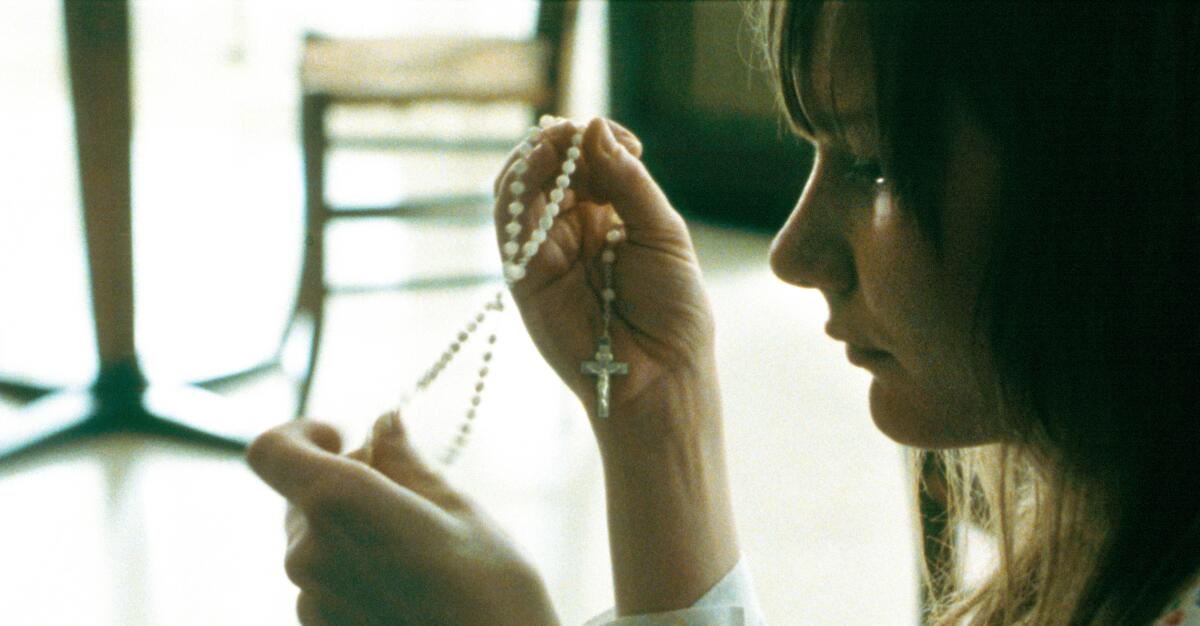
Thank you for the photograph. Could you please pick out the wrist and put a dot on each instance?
(681, 411)
(670, 517)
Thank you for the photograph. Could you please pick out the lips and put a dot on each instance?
(866, 358)
(858, 351)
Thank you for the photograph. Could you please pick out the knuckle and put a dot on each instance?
(302, 564)
(263, 448)
(323, 499)
(333, 497)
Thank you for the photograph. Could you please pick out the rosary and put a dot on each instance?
(517, 256)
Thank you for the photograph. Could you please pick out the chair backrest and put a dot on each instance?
(556, 26)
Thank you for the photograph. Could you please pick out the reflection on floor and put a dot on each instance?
(125, 531)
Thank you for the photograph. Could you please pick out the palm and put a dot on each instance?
(661, 320)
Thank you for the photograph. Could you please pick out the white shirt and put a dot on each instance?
(731, 602)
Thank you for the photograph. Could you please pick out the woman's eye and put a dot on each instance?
(866, 171)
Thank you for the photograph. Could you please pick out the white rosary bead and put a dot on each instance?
(514, 272)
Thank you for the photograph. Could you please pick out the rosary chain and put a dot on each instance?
(517, 257)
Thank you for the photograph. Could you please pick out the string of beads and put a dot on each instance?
(516, 257)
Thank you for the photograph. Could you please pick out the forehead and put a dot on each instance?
(838, 93)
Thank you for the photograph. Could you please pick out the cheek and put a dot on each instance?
(898, 274)
(924, 311)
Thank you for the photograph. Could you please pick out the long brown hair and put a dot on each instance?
(1094, 108)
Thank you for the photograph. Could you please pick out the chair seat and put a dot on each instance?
(426, 68)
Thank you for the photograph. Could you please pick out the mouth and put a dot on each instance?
(867, 358)
(857, 352)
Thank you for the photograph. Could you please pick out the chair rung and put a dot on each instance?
(442, 207)
(416, 284)
(429, 145)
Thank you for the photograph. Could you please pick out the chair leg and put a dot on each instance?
(310, 299)
(310, 368)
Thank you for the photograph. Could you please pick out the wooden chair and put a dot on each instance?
(404, 72)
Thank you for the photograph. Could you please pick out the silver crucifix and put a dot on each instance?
(602, 368)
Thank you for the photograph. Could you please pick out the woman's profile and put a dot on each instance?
(1002, 217)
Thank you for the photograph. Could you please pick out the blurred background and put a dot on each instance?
(352, 144)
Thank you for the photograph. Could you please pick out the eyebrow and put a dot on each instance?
(847, 123)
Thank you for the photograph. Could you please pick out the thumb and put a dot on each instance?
(619, 178)
(391, 453)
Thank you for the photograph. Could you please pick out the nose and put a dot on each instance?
(812, 249)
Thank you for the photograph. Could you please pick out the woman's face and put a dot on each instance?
(906, 313)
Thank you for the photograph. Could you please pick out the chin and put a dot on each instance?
(910, 418)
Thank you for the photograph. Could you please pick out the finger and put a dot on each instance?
(362, 454)
(554, 135)
(294, 523)
(617, 177)
(519, 199)
(520, 151)
(300, 461)
(289, 457)
(394, 456)
(626, 138)
(336, 493)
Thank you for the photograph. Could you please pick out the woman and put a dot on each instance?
(1002, 218)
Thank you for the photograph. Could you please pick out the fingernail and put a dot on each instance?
(388, 425)
(610, 140)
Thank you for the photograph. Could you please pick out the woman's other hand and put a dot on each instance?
(377, 537)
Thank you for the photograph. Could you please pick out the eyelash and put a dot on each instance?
(867, 170)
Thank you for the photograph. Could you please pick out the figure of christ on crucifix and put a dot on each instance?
(602, 368)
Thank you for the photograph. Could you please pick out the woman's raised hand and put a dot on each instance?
(662, 324)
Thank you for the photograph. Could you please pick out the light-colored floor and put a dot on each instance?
(128, 531)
